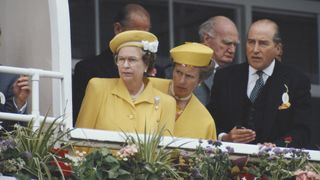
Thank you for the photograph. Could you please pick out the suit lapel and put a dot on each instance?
(239, 94)
(272, 99)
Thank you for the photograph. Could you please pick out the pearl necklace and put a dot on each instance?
(135, 96)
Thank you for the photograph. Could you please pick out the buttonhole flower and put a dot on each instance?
(285, 99)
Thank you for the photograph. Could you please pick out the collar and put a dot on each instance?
(268, 71)
(147, 94)
(216, 65)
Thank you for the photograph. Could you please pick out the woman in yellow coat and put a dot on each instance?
(129, 103)
(192, 64)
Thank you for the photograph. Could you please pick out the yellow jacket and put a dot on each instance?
(195, 121)
(107, 105)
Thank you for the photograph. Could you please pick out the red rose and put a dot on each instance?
(247, 176)
(287, 139)
(59, 152)
(66, 169)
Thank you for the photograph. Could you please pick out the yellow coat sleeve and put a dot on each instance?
(89, 108)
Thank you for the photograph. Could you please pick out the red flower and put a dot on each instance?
(59, 152)
(66, 168)
(247, 176)
(287, 139)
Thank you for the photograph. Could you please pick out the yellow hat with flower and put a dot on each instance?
(146, 40)
(191, 53)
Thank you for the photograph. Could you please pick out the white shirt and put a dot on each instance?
(253, 76)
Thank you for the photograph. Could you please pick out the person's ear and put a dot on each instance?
(117, 28)
(279, 46)
(206, 39)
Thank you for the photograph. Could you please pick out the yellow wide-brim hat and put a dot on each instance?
(191, 53)
(143, 39)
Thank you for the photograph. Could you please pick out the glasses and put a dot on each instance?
(130, 60)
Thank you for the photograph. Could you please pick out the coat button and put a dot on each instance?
(131, 116)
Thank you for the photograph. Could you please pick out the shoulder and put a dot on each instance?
(8, 77)
(102, 84)
(159, 80)
(88, 63)
(233, 69)
(102, 59)
(160, 84)
(167, 99)
(7, 80)
(161, 90)
(292, 70)
(292, 73)
(103, 81)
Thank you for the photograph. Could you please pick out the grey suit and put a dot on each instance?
(203, 91)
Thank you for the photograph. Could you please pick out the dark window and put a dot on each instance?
(299, 35)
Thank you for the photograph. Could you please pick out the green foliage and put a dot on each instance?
(32, 149)
(206, 163)
(151, 161)
(101, 164)
(276, 164)
(28, 154)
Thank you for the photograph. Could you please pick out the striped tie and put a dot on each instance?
(257, 87)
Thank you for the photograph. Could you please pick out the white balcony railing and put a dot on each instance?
(93, 137)
(35, 115)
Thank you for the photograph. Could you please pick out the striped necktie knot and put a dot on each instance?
(257, 87)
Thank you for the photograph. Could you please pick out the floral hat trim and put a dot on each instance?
(145, 45)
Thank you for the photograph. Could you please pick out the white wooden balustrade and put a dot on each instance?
(92, 137)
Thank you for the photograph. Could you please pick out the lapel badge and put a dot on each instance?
(285, 99)
(156, 102)
(2, 98)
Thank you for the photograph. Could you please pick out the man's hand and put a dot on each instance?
(241, 135)
(21, 90)
(267, 144)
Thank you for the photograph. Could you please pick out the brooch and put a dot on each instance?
(285, 99)
(156, 102)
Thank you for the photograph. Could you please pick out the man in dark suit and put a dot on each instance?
(131, 17)
(262, 100)
(14, 92)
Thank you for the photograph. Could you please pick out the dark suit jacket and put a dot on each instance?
(6, 83)
(229, 104)
(101, 66)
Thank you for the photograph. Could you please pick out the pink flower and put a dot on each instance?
(306, 175)
(127, 151)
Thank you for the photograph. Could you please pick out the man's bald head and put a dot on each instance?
(132, 17)
(221, 35)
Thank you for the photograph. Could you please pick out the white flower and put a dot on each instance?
(150, 46)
